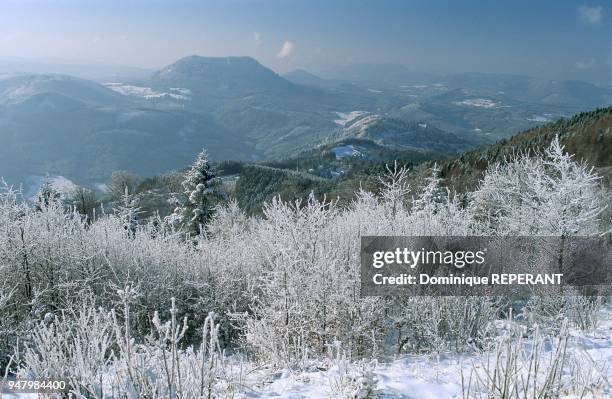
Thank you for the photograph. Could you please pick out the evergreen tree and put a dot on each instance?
(47, 195)
(127, 211)
(195, 207)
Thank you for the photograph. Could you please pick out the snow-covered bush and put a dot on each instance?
(440, 324)
(101, 357)
(546, 195)
(348, 379)
(543, 367)
(549, 311)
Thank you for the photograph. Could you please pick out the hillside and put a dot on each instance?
(587, 135)
(351, 164)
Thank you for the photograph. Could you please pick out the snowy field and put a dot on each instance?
(435, 376)
(477, 102)
(347, 117)
(176, 93)
(432, 376)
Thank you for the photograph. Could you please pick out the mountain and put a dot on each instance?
(82, 130)
(239, 109)
(261, 107)
(21, 88)
(225, 77)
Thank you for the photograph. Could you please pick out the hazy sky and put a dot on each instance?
(554, 39)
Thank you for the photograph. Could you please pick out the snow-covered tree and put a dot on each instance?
(550, 194)
(47, 195)
(194, 207)
(127, 211)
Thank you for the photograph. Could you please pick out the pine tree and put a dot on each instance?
(47, 195)
(127, 211)
(195, 207)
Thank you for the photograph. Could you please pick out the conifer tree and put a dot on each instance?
(127, 211)
(195, 206)
(47, 195)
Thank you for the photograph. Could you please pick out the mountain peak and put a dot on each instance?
(230, 75)
(198, 65)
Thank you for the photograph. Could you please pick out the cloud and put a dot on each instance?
(286, 49)
(590, 14)
(257, 38)
(585, 64)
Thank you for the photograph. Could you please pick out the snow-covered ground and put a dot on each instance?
(477, 102)
(346, 151)
(406, 377)
(358, 126)
(177, 93)
(539, 118)
(424, 377)
(344, 118)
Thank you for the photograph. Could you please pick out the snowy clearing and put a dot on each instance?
(346, 151)
(477, 102)
(176, 93)
(345, 118)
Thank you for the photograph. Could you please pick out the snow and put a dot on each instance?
(346, 151)
(359, 126)
(424, 377)
(345, 118)
(538, 118)
(177, 93)
(181, 90)
(477, 102)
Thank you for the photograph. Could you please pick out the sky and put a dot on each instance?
(551, 39)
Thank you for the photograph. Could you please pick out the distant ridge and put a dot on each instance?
(587, 135)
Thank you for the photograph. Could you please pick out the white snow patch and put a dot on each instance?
(346, 151)
(477, 102)
(345, 118)
(359, 126)
(427, 377)
(181, 90)
(147, 92)
(538, 118)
